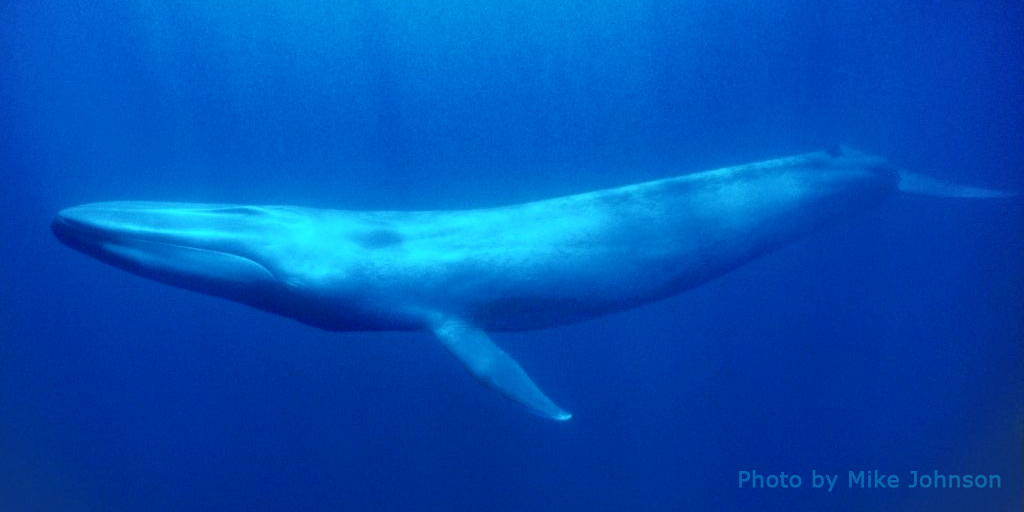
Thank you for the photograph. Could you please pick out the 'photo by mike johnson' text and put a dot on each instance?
(869, 479)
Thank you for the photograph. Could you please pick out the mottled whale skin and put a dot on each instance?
(460, 274)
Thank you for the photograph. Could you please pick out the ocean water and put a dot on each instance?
(891, 342)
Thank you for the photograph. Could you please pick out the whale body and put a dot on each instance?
(460, 274)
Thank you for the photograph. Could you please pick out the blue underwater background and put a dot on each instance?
(893, 341)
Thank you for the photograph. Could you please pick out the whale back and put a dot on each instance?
(566, 259)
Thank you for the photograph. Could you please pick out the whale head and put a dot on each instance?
(236, 252)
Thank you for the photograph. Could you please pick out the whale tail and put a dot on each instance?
(920, 184)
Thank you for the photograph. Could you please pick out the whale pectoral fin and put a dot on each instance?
(493, 367)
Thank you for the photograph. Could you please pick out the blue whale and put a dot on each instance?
(460, 274)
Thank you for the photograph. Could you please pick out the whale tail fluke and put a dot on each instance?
(920, 184)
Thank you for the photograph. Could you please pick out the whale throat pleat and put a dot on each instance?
(495, 368)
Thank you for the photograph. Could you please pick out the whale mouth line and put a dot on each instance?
(82, 234)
